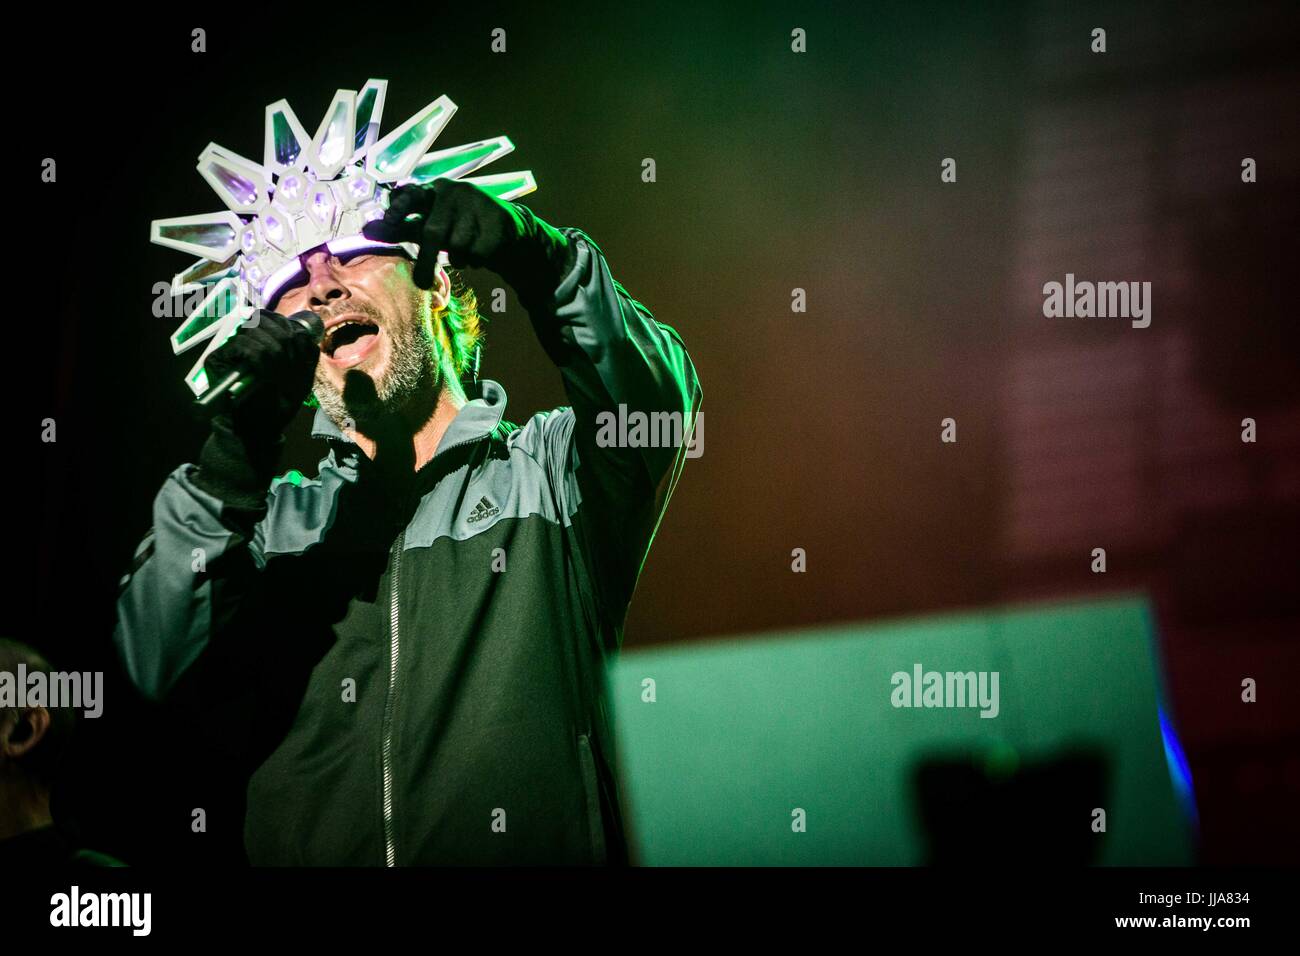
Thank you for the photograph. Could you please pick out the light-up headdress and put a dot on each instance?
(308, 192)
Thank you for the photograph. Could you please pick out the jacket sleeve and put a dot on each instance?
(204, 584)
(197, 563)
(635, 398)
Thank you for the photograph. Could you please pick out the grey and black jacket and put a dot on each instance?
(421, 681)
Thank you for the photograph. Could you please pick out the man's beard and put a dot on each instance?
(413, 371)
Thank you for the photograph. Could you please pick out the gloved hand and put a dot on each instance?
(476, 229)
(238, 459)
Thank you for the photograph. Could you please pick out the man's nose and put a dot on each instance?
(324, 284)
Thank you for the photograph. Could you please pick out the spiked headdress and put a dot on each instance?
(307, 192)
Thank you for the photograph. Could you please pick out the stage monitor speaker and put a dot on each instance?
(1034, 734)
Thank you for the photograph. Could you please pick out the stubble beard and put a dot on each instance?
(412, 372)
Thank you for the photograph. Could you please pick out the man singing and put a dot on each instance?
(406, 652)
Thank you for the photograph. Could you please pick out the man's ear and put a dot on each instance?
(20, 733)
(440, 294)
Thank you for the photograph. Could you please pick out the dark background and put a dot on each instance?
(775, 171)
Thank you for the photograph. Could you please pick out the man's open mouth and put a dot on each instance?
(350, 341)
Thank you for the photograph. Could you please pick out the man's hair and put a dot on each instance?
(464, 325)
(42, 761)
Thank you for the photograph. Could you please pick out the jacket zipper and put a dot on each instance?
(390, 847)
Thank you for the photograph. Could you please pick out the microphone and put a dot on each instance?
(306, 323)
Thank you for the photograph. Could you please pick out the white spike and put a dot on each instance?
(217, 223)
(497, 147)
(331, 147)
(297, 132)
(371, 127)
(222, 331)
(394, 156)
(528, 185)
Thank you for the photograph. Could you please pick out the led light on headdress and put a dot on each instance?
(307, 192)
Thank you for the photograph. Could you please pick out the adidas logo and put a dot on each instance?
(483, 510)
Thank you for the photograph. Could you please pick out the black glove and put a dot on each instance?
(239, 458)
(476, 229)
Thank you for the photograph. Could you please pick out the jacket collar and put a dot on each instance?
(477, 418)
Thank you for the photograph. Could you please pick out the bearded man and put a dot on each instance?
(405, 654)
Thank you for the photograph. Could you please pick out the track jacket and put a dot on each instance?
(421, 681)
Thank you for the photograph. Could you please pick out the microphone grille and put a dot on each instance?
(310, 323)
